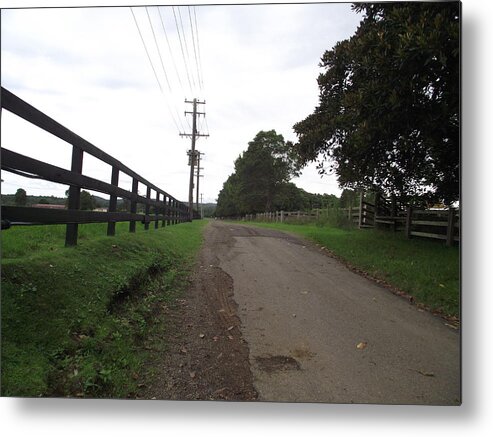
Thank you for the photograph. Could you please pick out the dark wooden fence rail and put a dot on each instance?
(165, 207)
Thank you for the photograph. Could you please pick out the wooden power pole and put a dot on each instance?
(198, 155)
(192, 153)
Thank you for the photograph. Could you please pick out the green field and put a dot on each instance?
(75, 320)
(425, 269)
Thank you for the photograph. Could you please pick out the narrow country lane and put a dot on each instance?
(271, 317)
(318, 332)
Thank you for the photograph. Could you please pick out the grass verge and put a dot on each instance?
(75, 320)
(427, 270)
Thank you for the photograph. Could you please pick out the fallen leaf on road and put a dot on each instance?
(294, 315)
(230, 328)
(441, 285)
(192, 374)
(361, 345)
(230, 337)
(451, 326)
(183, 350)
(304, 292)
(201, 335)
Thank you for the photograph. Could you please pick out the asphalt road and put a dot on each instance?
(317, 332)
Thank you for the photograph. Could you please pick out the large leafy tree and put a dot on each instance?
(227, 201)
(388, 117)
(260, 176)
(20, 197)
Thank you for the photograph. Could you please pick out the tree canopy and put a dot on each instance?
(20, 197)
(388, 113)
(260, 181)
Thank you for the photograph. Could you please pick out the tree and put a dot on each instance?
(20, 197)
(260, 173)
(86, 200)
(227, 201)
(388, 116)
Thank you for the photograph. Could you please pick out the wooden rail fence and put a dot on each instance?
(442, 224)
(158, 205)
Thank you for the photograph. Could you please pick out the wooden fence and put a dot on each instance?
(443, 224)
(157, 205)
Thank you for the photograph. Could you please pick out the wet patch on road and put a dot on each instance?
(277, 363)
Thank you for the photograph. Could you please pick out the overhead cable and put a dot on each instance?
(169, 48)
(181, 47)
(194, 49)
(153, 69)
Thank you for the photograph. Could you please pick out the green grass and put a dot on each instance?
(75, 320)
(427, 270)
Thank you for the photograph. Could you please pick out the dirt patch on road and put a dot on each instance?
(204, 356)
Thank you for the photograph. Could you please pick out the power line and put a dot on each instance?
(198, 47)
(181, 47)
(157, 46)
(185, 41)
(153, 69)
(194, 50)
(145, 48)
(169, 48)
(162, 64)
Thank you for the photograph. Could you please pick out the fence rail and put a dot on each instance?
(436, 224)
(165, 208)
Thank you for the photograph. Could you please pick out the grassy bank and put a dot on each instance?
(75, 320)
(427, 270)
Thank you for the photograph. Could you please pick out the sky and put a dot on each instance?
(255, 66)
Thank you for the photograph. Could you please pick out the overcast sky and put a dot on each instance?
(88, 69)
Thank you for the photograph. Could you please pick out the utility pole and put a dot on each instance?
(194, 135)
(198, 155)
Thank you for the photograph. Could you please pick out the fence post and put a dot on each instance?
(393, 211)
(115, 173)
(360, 220)
(377, 203)
(133, 204)
(409, 221)
(156, 211)
(74, 197)
(147, 209)
(168, 211)
(450, 226)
